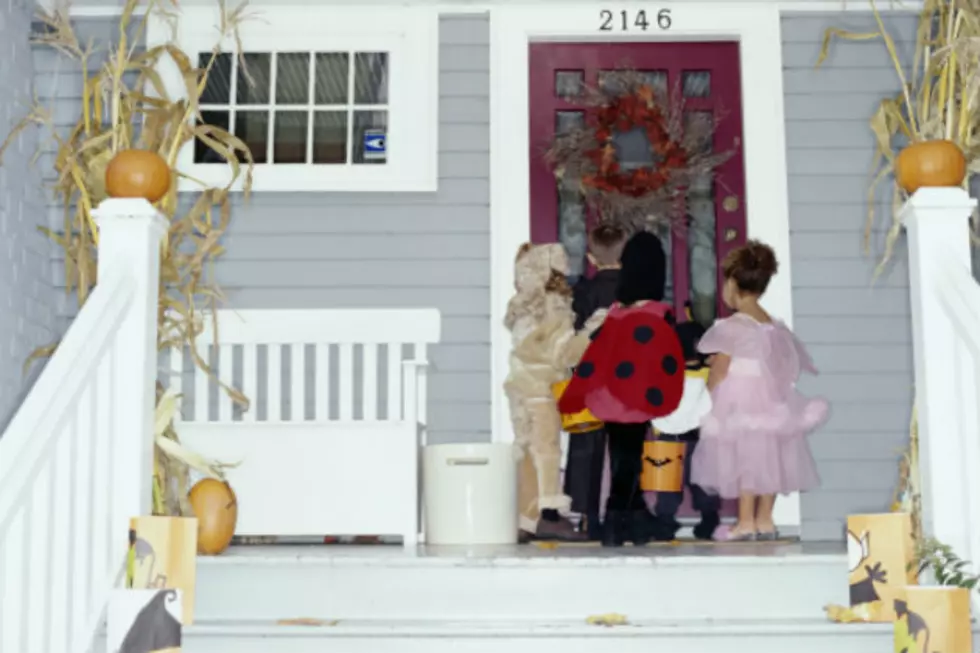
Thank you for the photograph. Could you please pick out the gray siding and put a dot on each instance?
(859, 335)
(27, 298)
(333, 250)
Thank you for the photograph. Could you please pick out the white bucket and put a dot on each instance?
(470, 494)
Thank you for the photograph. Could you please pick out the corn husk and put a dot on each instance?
(125, 105)
(938, 98)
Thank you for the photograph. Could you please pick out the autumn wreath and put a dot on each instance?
(679, 153)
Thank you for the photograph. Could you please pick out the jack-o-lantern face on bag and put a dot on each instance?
(663, 466)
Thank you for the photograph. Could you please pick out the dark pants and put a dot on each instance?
(669, 502)
(583, 471)
(626, 463)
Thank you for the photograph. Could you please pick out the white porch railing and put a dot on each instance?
(946, 340)
(76, 460)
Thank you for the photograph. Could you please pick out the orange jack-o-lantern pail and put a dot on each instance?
(663, 466)
(581, 422)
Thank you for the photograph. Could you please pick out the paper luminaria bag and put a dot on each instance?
(933, 620)
(880, 553)
(163, 555)
(144, 621)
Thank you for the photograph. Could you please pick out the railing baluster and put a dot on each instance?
(321, 402)
(346, 381)
(38, 560)
(297, 388)
(250, 381)
(226, 361)
(81, 561)
(273, 408)
(394, 381)
(369, 379)
(202, 386)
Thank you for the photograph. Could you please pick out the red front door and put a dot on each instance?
(708, 74)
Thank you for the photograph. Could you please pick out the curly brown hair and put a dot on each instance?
(751, 266)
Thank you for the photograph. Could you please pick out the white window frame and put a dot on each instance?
(409, 35)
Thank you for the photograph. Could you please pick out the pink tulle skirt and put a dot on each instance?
(750, 445)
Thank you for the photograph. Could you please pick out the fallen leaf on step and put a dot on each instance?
(849, 615)
(608, 620)
(546, 545)
(307, 621)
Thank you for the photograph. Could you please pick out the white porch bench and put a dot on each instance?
(330, 444)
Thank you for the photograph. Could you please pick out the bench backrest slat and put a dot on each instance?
(316, 365)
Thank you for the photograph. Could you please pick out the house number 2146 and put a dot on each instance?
(622, 20)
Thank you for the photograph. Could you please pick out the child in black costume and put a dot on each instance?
(587, 451)
(694, 403)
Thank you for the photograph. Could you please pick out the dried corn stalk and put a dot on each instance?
(939, 97)
(125, 105)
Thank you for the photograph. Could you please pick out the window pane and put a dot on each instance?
(703, 261)
(370, 136)
(633, 149)
(253, 128)
(293, 78)
(203, 153)
(371, 78)
(218, 87)
(699, 127)
(566, 121)
(330, 137)
(657, 79)
(572, 226)
(332, 74)
(666, 236)
(569, 83)
(696, 83)
(289, 145)
(254, 78)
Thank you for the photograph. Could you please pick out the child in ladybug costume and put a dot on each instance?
(632, 372)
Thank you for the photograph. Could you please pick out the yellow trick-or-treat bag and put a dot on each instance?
(880, 553)
(581, 422)
(933, 620)
(163, 555)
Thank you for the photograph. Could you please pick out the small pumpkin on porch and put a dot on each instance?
(216, 509)
(137, 173)
(930, 163)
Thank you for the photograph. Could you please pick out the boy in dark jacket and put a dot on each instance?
(668, 503)
(587, 451)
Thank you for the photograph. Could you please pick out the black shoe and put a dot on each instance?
(641, 526)
(614, 529)
(705, 530)
(665, 528)
(593, 528)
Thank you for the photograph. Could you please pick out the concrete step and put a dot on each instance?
(507, 584)
(431, 636)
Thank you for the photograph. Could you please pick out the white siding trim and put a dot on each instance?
(755, 25)
(410, 34)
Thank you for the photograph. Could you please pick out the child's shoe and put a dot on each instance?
(593, 528)
(665, 528)
(705, 530)
(615, 528)
(642, 526)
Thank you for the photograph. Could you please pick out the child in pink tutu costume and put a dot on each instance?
(753, 442)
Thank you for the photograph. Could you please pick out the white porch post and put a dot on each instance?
(130, 233)
(937, 223)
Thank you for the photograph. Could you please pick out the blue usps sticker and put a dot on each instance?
(375, 145)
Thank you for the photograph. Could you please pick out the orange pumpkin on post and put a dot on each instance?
(930, 163)
(663, 466)
(216, 509)
(138, 174)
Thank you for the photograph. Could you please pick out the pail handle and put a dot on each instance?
(467, 461)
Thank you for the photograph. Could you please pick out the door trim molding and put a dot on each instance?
(755, 25)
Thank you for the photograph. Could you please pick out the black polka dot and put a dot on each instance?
(624, 370)
(669, 364)
(595, 334)
(669, 318)
(655, 397)
(585, 370)
(643, 334)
